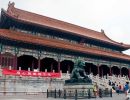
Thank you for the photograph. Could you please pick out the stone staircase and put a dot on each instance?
(41, 84)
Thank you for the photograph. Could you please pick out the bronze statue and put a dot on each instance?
(78, 74)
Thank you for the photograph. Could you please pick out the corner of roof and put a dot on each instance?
(10, 6)
(126, 46)
(102, 31)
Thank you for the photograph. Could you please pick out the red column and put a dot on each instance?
(32, 65)
(6, 61)
(68, 68)
(58, 65)
(102, 72)
(110, 72)
(0, 59)
(39, 63)
(129, 73)
(120, 72)
(90, 70)
(98, 70)
(15, 62)
(51, 67)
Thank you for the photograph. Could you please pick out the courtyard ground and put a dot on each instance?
(43, 97)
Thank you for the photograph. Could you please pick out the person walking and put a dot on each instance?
(126, 88)
(95, 89)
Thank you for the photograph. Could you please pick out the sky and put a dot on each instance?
(113, 16)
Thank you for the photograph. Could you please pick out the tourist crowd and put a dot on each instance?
(120, 88)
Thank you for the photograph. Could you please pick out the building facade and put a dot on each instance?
(29, 40)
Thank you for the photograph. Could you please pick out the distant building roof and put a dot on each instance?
(44, 21)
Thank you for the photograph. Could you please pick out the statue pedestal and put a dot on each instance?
(78, 87)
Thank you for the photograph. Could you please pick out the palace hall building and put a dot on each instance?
(29, 40)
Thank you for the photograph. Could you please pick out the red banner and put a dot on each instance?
(30, 73)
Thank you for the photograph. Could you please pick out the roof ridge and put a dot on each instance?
(61, 21)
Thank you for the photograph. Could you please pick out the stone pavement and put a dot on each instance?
(41, 97)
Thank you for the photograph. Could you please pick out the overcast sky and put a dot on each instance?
(113, 16)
